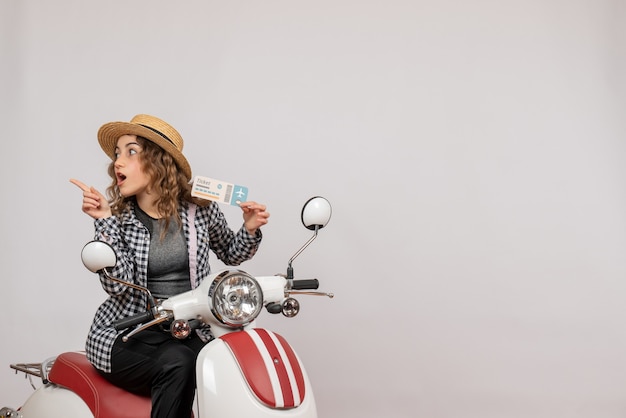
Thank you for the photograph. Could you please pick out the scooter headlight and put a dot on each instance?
(236, 298)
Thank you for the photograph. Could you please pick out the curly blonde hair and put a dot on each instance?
(166, 180)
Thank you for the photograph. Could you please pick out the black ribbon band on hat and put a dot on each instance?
(157, 132)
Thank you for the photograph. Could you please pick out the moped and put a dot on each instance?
(246, 371)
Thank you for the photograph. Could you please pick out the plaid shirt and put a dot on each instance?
(205, 229)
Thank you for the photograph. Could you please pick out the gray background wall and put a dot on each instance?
(473, 152)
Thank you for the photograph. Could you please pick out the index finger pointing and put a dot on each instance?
(81, 185)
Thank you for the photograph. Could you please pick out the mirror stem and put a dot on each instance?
(289, 268)
(151, 300)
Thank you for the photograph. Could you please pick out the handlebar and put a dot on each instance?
(305, 284)
(152, 317)
(129, 321)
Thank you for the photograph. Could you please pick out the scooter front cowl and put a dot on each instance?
(252, 373)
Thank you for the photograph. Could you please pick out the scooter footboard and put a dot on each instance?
(253, 373)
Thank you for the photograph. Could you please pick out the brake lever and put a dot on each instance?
(163, 317)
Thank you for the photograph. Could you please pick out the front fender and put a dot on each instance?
(253, 373)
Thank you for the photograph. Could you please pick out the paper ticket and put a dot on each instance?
(219, 191)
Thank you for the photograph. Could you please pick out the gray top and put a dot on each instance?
(168, 260)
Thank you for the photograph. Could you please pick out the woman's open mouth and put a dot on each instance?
(120, 178)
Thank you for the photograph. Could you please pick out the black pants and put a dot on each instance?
(153, 363)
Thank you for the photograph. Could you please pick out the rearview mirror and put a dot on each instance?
(97, 255)
(316, 213)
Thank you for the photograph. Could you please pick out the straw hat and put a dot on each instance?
(151, 128)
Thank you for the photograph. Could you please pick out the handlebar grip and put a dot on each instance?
(129, 321)
(305, 284)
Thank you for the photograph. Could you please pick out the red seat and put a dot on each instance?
(73, 371)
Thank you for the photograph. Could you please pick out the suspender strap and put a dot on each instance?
(193, 246)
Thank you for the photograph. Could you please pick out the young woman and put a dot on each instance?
(162, 237)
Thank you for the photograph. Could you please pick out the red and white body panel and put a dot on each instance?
(252, 373)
